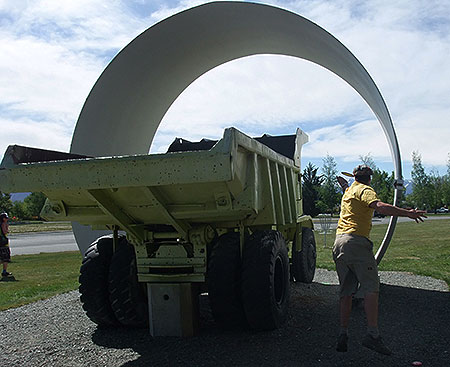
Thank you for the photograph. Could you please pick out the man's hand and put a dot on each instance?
(417, 215)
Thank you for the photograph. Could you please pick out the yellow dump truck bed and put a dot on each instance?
(238, 180)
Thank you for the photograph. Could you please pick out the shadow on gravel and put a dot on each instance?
(414, 323)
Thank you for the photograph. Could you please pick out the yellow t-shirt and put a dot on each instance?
(356, 215)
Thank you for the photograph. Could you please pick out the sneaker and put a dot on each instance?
(6, 274)
(342, 343)
(376, 344)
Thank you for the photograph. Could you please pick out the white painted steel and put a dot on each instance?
(128, 101)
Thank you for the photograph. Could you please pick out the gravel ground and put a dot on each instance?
(414, 321)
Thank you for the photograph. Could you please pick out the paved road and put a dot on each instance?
(34, 243)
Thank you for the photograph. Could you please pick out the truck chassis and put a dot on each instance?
(226, 220)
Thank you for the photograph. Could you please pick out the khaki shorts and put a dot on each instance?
(355, 263)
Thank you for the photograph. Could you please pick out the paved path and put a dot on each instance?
(36, 242)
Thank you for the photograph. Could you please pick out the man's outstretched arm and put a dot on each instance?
(395, 211)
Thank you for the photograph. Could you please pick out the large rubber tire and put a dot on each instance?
(93, 280)
(265, 280)
(224, 282)
(304, 258)
(127, 296)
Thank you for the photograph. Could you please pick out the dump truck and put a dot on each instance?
(223, 217)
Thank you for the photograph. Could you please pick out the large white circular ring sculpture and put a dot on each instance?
(130, 98)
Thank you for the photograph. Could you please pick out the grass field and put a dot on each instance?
(40, 276)
(422, 249)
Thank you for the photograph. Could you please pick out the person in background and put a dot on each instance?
(5, 252)
(353, 255)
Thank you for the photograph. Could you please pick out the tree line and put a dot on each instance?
(28, 209)
(322, 193)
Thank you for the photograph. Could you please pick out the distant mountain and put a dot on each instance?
(409, 186)
(20, 196)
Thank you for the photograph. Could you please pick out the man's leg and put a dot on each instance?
(371, 309)
(367, 275)
(347, 282)
(373, 340)
(345, 308)
(348, 285)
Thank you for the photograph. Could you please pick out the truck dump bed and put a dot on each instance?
(239, 180)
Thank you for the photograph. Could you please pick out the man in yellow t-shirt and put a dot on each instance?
(353, 255)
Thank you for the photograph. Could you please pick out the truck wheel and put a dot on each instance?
(265, 280)
(94, 282)
(224, 281)
(304, 259)
(126, 295)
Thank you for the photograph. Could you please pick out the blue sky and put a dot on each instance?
(52, 52)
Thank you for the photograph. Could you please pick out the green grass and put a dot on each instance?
(422, 249)
(40, 227)
(39, 277)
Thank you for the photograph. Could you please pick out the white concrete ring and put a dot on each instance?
(130, 98)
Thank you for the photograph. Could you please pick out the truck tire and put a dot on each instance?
(304, 259)
(94, 282)
(265, 280)
(224, 282)
(126, 295)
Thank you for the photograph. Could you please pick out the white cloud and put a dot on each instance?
(44, 135)
(348, 142)
(429, 134)
(166, 11)
(53, 51)
(261, 94)
(52, 54)
(44, 79)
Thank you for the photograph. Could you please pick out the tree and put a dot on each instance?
(446, 184)
(382, 182)
(34, 203)
(368, 161)
(310, 187)
(19, 210)
(436, 183)
(5, 202)
(329, 191)
(421, 194)
(448, 165)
